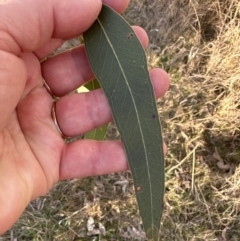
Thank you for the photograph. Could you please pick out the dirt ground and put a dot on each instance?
(197, 42)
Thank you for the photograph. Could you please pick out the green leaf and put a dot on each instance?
(119, 63)
(100, 132)
(93, 85)
(97, 134)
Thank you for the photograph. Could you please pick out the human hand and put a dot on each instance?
(33, 155)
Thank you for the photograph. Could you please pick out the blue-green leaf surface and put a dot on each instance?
(119, 63)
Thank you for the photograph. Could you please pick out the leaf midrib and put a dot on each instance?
(120, 66)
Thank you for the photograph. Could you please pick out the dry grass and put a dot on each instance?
(197, 42)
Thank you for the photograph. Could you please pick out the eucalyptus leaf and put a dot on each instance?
(119, 63)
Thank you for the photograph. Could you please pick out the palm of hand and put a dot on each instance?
(30, 145)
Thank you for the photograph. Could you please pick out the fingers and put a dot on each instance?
(142, 35)
(66, 72)
(28, 28)
(88, 158)
(24, 29)
(79, 113)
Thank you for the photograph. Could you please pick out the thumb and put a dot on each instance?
(28, 25)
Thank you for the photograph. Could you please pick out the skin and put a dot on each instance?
(33, 155)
